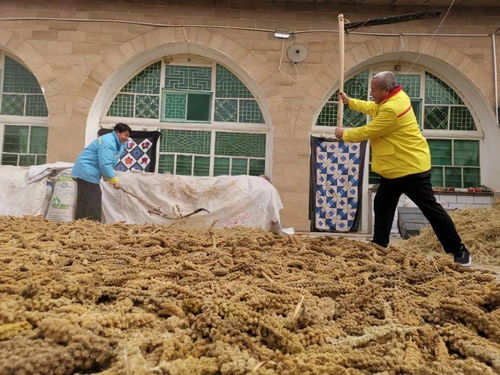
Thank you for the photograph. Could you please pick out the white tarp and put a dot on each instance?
(231, 200)
(19, 197)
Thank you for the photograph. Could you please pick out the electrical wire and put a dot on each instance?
(432, 37)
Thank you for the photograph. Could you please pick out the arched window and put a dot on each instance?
(23, 115)
(447, 124)
(211, 124)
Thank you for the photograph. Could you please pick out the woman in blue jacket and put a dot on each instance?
(98, 159)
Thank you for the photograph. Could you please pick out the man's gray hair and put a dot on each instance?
(385, 79)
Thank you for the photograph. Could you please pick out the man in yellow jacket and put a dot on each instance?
(401, 156)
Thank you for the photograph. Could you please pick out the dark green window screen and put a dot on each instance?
(221, 166)
(188, 78)
(15, 139)
(240, 144)
(440, 151)
(466, 153)
(198, 107)
(38, 140)
(184, 165)
(166, 164)
(186, 106)
(257, 167)
(455, 162)
(185, 141)
(146, 82)
(239, 166)
(229, 86)
(18, 79)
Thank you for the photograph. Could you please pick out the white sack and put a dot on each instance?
(18, 197)
(63, 203)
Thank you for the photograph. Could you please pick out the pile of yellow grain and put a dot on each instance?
(129, 299)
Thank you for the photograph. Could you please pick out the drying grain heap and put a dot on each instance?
(479, 229)
(118, 299)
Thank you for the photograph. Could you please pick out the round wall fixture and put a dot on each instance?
(296, 53)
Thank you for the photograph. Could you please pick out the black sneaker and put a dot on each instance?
(463, 257)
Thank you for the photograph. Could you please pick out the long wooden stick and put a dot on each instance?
(340, 108)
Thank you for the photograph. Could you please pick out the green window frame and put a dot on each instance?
(455, 162)
(21, 94)
(211, 153)
(24, 145)
(199, 104)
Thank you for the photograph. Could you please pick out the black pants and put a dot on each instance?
(419, 189)
(88, 201)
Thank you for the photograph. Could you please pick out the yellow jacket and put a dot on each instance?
(398, 147)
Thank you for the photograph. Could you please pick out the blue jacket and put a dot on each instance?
(99, 159)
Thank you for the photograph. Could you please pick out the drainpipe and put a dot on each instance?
(495, 75)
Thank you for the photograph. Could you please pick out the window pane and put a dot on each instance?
(466, 153)
(18, 79)
(356, 87)
(250, 112)
(373, 178)
(257, 167)
(240, 144)
(226, 110)
(417, 109)
(188, 77)
(198, 108)
(229, 86)
(122, 106)
(436, 118)
(38, 140)
(437, 176)
(472, 177)
(9, 159)
(453, 177)
(461, 119)
(166, 164)
(15, 139)
(438, 92)
(185, 141)
(440, 151)
(41, 159)
(146, 82)
(175, 106)
(13, 104)
(328, 115)
(221, 166)
(410, 84)
(353, 119)
(239, 166)
(36, 106)
(147, 106)
(201, 166)
(26, 160)
(184, 165)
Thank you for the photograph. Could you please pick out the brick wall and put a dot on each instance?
(72, 60)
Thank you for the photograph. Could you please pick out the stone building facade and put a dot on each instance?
(71, 67)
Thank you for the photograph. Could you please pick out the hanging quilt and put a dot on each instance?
(140, 152)
(336, 184)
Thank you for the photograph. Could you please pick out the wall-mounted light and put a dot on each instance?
(282, 34)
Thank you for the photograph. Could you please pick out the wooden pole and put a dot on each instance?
(340, 108)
